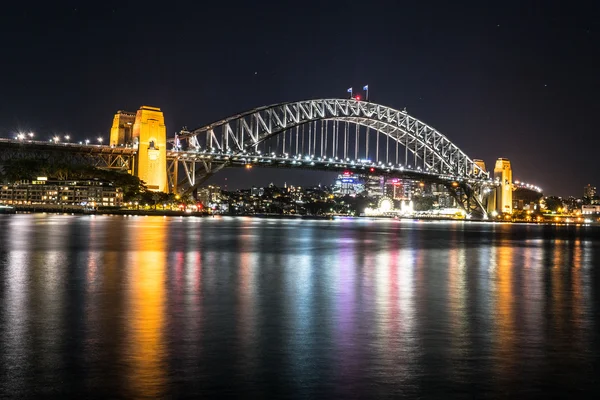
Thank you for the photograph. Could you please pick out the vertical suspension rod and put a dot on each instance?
(367, 144)
(322, 124)
(346, 141)
(314, 138)
(356, 132)
(377, 148)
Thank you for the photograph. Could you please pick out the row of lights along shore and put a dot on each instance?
(55, 139)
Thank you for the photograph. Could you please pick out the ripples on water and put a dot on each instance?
(184, 307)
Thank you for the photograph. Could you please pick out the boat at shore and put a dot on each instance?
(6, 209)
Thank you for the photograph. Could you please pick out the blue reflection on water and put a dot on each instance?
(156, 307)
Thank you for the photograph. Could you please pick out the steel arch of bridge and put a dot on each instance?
(246, 131)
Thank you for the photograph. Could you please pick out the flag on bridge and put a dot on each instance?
(349, 90)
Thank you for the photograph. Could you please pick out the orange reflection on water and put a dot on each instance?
(146, 351)
(457, 301)
(248, 262)
(576, 286)
(505, 318)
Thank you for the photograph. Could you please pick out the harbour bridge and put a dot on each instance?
(320, 134)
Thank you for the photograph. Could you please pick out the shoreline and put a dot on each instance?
(166, 213)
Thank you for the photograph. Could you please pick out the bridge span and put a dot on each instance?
(319, 134)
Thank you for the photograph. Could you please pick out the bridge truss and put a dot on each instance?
(105, 157)
(329, 134)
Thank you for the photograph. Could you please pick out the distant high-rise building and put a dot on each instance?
(503, 174)
(375, 186)
(589, 191)
(348, 184)
(396, 189)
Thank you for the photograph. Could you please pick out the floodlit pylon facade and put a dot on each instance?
(150, 137)
(504, 190)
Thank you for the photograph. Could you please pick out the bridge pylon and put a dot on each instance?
(146, 131)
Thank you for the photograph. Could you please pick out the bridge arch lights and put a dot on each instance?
(321, 128)
(333, 135)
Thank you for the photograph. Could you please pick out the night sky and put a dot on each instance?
(514, 79)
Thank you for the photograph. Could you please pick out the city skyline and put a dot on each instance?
(491, 97)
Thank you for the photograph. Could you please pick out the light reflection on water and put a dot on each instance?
(158, 307)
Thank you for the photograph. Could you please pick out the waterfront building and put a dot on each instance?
(81, 192)
(588, 209)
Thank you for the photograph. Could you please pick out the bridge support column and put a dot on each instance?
(150, 135)
(469, 200)
(503, 173)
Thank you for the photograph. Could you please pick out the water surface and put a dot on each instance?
(131, 307)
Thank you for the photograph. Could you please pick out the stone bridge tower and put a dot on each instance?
(503, 173)
(146, 131)
(150, 136)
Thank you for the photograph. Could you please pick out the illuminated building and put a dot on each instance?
(503, 174)
(589, 191)
(80, 192)
(375, 186)
(590, 209)
(397, 189)
(121, 132)
(209, 195)
(348, 184)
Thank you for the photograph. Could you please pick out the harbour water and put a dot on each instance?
(172, 307)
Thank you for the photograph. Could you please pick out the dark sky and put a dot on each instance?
(514, 79)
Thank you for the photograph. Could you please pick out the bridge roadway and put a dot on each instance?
(35, 149)
(120, 158)
(365, 167)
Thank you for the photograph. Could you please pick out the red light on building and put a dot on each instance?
(347, 173)
(372, 169)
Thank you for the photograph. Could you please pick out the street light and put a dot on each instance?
(87, 141)
(56, 139)
(67, 137)
(100, 140)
